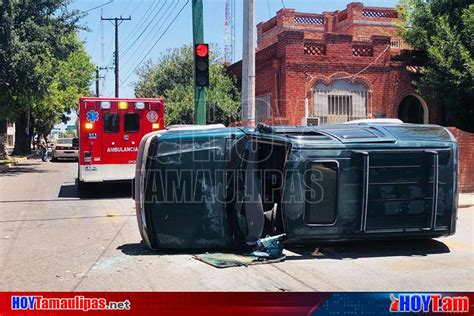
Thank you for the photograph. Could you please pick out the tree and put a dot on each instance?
(172, 77)
(71, 81)
(32, 44)
(444, 30)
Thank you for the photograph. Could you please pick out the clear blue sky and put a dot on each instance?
(146, 15)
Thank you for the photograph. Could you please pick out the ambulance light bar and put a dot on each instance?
(105, 105)
(122, 105)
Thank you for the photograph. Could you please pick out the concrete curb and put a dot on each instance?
(17, 161)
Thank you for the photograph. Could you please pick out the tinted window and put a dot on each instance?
(132, 122)
(352, 133)
(111, 122)
(321, 193)
(420, 132)
(64, 141)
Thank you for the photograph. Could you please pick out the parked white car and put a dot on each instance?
(65, 148)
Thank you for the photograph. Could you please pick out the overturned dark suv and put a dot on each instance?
(215, 187)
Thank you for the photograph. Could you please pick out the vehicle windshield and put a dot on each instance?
(64, 141)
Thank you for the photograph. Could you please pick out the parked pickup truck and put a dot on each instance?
(216, 187)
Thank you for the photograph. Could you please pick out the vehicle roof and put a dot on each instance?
(376, 132)
(121, 99)
(366, 132)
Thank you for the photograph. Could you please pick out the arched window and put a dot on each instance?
(340, 101)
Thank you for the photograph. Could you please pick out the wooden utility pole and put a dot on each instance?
(98, 77)
(117, 21)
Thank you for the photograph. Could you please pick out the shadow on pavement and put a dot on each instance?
(70, 160)
(349, 250)
(140, 249)
(136, 249)
(370, 249)
(24, 167)
(97, 191)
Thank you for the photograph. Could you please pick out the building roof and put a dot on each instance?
(356, 19)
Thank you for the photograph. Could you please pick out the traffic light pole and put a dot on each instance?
(198, 38)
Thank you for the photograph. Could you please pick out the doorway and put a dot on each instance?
(413, 109)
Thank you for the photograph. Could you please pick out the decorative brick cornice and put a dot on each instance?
(337, 37)
(342, 21)
(380, 40)
(291, 36)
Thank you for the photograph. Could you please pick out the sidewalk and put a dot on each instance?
(466, 199)
(13, 161)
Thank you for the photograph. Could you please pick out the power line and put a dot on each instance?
(160, 26)
(144, 30)
(97, 79)
(137, 6)
(97, 7)
(126, 7)
(96, 37)
(103, 88)
(111, 40)
(150, 10)
(117, 22)
(151, 49)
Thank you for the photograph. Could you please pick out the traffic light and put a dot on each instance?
(201, 64)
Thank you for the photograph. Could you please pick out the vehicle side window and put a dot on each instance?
(321, 193)
(111, 122)
(132, 122)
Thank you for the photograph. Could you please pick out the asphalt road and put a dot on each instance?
(52, 238)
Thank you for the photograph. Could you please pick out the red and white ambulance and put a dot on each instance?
(110, 130)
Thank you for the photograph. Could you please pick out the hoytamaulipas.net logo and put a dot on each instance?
(436, 303)
(75, 303)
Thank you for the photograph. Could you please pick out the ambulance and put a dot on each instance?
(110, 130)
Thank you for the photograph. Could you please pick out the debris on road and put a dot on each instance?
(227, 260)
(267, 250)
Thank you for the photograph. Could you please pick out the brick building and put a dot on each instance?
(337, 66)
(334, 67)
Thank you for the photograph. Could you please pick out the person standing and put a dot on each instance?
(44, 149)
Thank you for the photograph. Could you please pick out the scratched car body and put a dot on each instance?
(227, 187)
